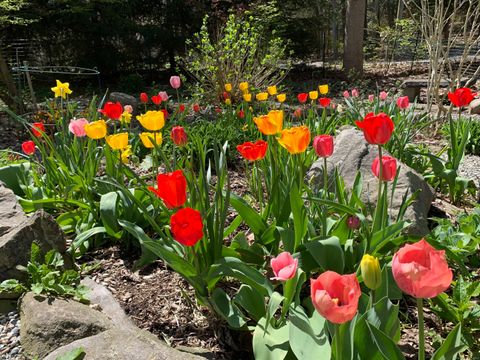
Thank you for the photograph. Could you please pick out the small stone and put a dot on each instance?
(16, 331)
(15, 351)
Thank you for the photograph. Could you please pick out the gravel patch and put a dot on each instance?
(470, 168)
(10, 348)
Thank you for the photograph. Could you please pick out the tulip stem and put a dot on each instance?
(380, 182)
(338, 352)
(421, 330)
(325, 178)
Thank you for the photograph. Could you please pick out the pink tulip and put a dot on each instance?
(371, 98)
(128, 108)
(175, 82)
(284, 266)
(163, 95)
(421, 271)
(403, 102)
(389, 168)
(346, 94)
(383, 95)
(335, 296)
(77, 127)
(355, 93)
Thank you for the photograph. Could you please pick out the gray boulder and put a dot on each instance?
(11, 213)
(49, 323)
(352, 154)
(124, 99)
(475, 107)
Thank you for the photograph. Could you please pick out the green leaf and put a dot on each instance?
(306, 335)
(270, 343)
(344, 342)
(10, 175)
(248, 214)
(384, 316)
(252, 301)
(75, 354)
(299, 213)
(385, 345)
(451, 346)
(327, 253)
(109, 215)
(227, 309)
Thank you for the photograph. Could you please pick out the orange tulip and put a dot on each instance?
(271, 123)
(295, 139)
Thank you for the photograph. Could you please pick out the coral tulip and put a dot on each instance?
(118, 141)
(383, 95)
(371, 272)
(403, 102)
(187, 226)
(371, 98)
(96, 129)
(147, 137)
(323, 89)
(335, 296)
(38, 129)
(163, 95)
(253, 151)
(302, 98)
(28, 147)
(323, 145)
(389, 168)
(144, 98)
(171, 188)
(112, 110)
(77, 127)
(128, 109)
(152, 120)
(461, 97)
(179, 136)
(355, 93)
(421, 271)
(284, 266)
(377, 129)
(324, 102)
(346, 94)
(297, 113)
(175, 82)
(271, 123)
(295, 139)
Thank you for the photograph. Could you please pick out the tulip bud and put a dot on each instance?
(175, 82)
(353, 222)
(228, 87)
(179, 136)
(144, 98)
(371, 272)
(196, 107)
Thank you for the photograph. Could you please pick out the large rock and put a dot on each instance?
(124, 99)
(11, 213)
(49, 323)
(475, 107)
(352, 154)
(17, 234)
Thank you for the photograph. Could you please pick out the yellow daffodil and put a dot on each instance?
(118, 141)
(126, 117)
(261, 96)
(62, 89)
(295, 139)
(323, 89)
(126, 153)
(313, 95)
(371, 272)
(228, 102)
(228, 87)
(243, 87)
(96, 129)
(272, 90)
(247, 97)
(147, 138)
(281, 97)
(152, 120)
(271, 123)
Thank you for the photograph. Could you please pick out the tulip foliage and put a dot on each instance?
(319, 272)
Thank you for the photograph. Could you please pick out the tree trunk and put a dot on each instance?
(354, 26)
(12, 98)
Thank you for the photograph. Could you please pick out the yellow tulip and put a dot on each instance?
(243, 86)
(228, 87)
(272, 90)
(313, 95)
(295, 139)
(271, 123)
(147, 137)
(152, 120)
(281, 97)
(261, 96)
(96, 129)
(247, 97)
(323, 89)
(62, 89)
(228, 102)
(371, 272)
(118, 141)
(126, 153)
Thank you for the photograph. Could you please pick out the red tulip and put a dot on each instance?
(335, 296)
(323, 145)
(179, 136)
(112, 110)
(165, 113)
(157, 99)
(241, 114)
(302, 98)
(421, 271)
(253, 151)
(187, 226)
(403, 102)
(196, 108)
(297, 113)
(144, 98)
(171, 188)
(38, 129)
(181, 108)
(225, 95)
(461, 97)
(377, 129)
(324, 102)
(284, 266)
(353, 222)
(389, 168)
(28, 147)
